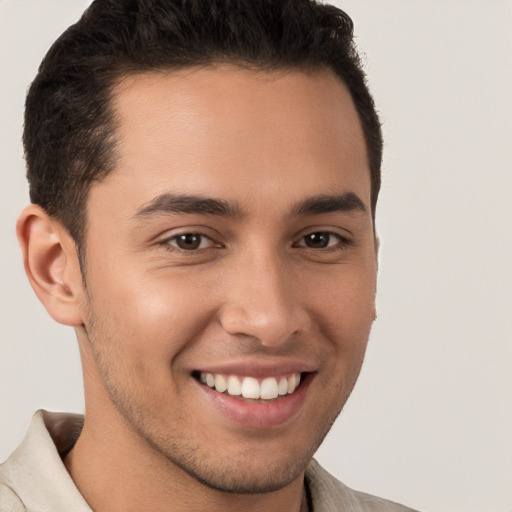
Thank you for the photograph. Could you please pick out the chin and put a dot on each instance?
(254, 467)
(241, 477)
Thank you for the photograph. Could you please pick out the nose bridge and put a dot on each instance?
(261, 301)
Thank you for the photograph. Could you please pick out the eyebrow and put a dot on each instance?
(194, 204)
(182, 203)
(317, 205)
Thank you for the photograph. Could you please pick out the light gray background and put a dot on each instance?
(429, 422)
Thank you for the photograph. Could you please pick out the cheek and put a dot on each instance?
(148, 317)
(345, 306)
(344, 313)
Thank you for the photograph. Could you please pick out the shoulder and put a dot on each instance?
(9, 500)
(34, 478)
(328, 494)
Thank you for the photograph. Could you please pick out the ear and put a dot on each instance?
(51, 264)
(377, 248)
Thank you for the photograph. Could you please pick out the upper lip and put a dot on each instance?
(258, 368)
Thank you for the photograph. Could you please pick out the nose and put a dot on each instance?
(262, 302)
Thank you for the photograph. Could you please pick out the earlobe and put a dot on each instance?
(51, 264)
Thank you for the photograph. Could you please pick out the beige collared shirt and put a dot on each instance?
(34, 478)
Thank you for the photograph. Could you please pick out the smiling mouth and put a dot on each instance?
(251, 388)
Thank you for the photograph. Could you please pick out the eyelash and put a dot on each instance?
(342, 242)
(170, 247)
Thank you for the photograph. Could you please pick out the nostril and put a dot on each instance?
(266, 317)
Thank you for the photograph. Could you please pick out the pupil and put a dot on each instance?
(317, 240)
(188, 241)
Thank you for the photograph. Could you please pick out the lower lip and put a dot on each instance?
(261, 414)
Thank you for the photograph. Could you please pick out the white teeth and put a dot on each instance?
(269, 389)
(220, 383)
(283, 386)
(249, 387)
(293, 382)
(234, 386)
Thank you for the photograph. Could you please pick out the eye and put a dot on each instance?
(190, 241)
(320, 240)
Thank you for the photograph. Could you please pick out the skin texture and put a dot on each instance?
(255, 293)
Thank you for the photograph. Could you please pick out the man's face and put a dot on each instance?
(231, 246)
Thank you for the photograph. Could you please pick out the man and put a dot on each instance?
(203, 177)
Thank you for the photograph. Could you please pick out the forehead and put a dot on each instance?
(229, 132)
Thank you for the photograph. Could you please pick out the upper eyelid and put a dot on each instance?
(345, 236)
(188, 230)
(170, 244)
(338, 231)
(341, 239)
(196, 233)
